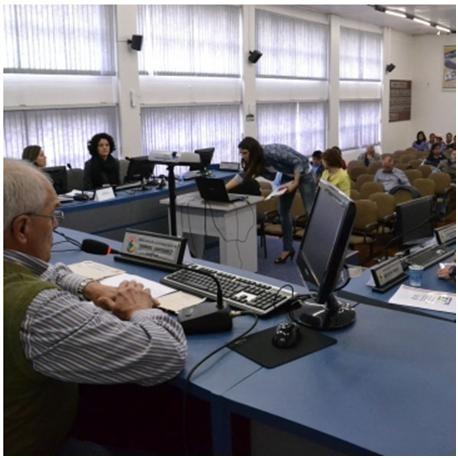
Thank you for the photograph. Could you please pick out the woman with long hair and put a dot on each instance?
(102, 168)
(420, 144)
(35, 155)
(334, 173)
(267, 161)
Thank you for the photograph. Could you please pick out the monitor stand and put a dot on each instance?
(335, 314)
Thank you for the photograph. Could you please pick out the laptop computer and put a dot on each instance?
(214, 189)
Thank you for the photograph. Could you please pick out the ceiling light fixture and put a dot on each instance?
(443, 29)
(396, 13)
(421, 21)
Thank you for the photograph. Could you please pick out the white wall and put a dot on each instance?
(434, 107)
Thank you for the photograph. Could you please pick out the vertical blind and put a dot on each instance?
(59, 39)
(360, 124)
(190, 39)
(62, 133)
(185, 129)
(360, 55)
(291, 47)
(299, 125)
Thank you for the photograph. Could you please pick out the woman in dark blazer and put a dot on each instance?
(102, 168)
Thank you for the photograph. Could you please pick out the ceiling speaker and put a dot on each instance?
(136, 42)
(390, 68)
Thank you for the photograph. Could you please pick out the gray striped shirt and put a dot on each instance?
(72, 340)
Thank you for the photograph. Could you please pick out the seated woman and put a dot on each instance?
(102, 168)
(420, 144)
(450, 141)
(334, 172)
(436, 158)
(35, 155)
(369, 156)
(339, 152)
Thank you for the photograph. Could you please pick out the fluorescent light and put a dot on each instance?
(396, 13)
(421, 21)
(443, 29)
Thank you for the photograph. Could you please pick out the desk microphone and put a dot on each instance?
(96, 247)
(207, 316)
(69, 166)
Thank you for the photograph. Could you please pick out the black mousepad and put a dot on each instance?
(260, 349)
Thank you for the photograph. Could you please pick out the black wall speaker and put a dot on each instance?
(390, 68)
(254, 56)
(136, 42)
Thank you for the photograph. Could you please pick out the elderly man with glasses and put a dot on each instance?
(61, 329)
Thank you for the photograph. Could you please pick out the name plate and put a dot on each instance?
(387, 274)
(104, 194)
(446, 233)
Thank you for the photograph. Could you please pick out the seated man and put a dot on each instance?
(389, 175)
(369, 156)
(61, 329)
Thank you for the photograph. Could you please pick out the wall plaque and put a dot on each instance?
(400, 100)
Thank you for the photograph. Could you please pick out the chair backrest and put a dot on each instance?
(363, 178)
(410, 149)
(425, 186)
(385, 203)
(355, 163)
(123, 166)
(266, 206)
(422, 154)
(406, 157)
(374, 167)
(265, 187)
(402, 195)
(441, 181)
(414, 163)
(425, 170)
(413, 174)
(366, 213)
(356, 171)
(401, 165)
(75, 179)
(398, 153)
(369, 187)
(354, 194)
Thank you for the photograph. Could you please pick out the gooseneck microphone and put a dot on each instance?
(207, 316)
(96, 247)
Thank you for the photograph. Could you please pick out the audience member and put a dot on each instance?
(334, 173)
(61, 329)
(35, 155)
(102, 168)
(420, 144)
(267, 160)
(389, 176)
(339, 152)
(436, 158)
(317, 164)
(432, 140)
(449, 140)
(369, 156)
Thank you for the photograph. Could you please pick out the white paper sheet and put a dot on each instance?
(157, 289)
(94, 270)
(424, 299)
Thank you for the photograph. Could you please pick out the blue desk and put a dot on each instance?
(388, 385)
(133, 208)
(358, 290)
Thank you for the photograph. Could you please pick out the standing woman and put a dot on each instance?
(295, 169)
(102, 168)
(35, 155)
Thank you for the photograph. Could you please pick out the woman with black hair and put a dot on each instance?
(420, 144)
(436, 158)
(268, 160)
(102, 168)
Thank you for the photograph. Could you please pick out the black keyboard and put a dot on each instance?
(238, 292)
(430, 255)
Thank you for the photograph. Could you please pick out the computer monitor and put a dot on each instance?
(139, 168)
(206, 155)
(58, 177)
(321, 257)
(414, 220)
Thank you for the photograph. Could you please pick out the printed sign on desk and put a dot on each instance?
(104, 194)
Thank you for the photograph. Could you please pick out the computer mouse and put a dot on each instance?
(286, 335)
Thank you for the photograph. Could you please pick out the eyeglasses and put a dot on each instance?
(57, 216)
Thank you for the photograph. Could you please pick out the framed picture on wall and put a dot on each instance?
(449, 78)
